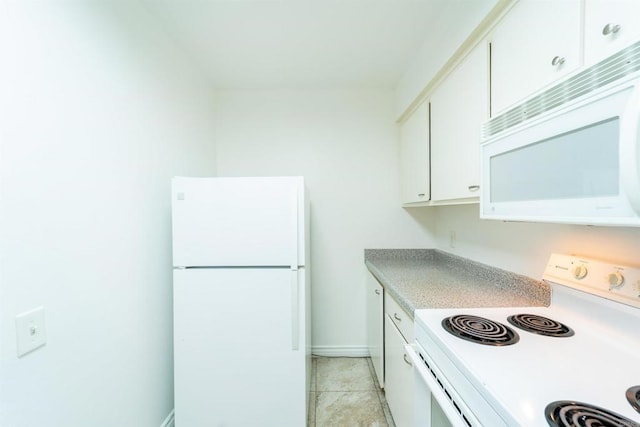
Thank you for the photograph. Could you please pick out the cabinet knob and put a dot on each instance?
(473, 187)
(421, 194)
(398, 318)
(557, 61)
(377, 291)
(610, 29)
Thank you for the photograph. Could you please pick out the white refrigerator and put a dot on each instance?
(242, 350)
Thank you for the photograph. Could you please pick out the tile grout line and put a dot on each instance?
(315, 392)
(373, 388)
(315, 410)
(381, 396)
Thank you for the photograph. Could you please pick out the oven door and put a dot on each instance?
(436, 403)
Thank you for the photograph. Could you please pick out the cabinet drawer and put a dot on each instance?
(399, 316)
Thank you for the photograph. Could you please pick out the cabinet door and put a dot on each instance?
(609, 25)
(535, 44)
(459, 106)
(398, 376)
(375, 326)
(414, 156)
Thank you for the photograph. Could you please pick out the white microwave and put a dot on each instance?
(571, 153)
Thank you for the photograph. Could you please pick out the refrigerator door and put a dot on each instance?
(238, 221)
(233, 347)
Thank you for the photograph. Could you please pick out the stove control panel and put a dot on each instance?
(612, 281)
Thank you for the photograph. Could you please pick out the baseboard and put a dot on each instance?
(340, 351)
(170, 421)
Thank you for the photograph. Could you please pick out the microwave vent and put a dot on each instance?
(613, 68)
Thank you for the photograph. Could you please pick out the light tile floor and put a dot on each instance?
(345, 392)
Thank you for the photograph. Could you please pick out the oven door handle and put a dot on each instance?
(454, 417)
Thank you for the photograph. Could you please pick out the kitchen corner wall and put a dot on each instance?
(97, 112)
(525, 247)
(345, 145)
(436, 50)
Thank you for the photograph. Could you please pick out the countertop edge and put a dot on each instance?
(504, 284)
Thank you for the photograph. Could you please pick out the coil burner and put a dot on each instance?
(540, 325)
(565, 413)
(480, 330)
(633, 396)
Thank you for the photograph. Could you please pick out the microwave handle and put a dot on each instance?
(630, 149)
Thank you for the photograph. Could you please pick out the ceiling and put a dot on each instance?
(268, 44)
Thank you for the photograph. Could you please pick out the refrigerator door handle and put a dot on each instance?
(294, 227)
(295, 311)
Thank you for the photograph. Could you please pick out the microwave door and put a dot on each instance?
(630, 149)
(570, 165)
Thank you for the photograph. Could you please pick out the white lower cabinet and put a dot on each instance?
(375, 325)
(398, 330)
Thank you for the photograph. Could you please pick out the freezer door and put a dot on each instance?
(237, 221)
(233, 350)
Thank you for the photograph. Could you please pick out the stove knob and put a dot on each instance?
(615, 280)
(580, 272)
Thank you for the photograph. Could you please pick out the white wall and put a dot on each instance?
(457, 19)
(525, 247)
(345, 144)
(97, 112)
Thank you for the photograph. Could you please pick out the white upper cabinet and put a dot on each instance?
(536, 43)
(414, 156)
(459, 106)
(609, 25)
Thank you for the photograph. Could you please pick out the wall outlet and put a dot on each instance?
(453, 240)
(30, 331)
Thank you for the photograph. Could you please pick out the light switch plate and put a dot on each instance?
(30, 331)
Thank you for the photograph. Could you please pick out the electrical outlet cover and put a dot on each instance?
(30, 331)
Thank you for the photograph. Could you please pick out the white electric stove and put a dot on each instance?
(531, 378)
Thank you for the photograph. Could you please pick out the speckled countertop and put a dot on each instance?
(431, 278)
